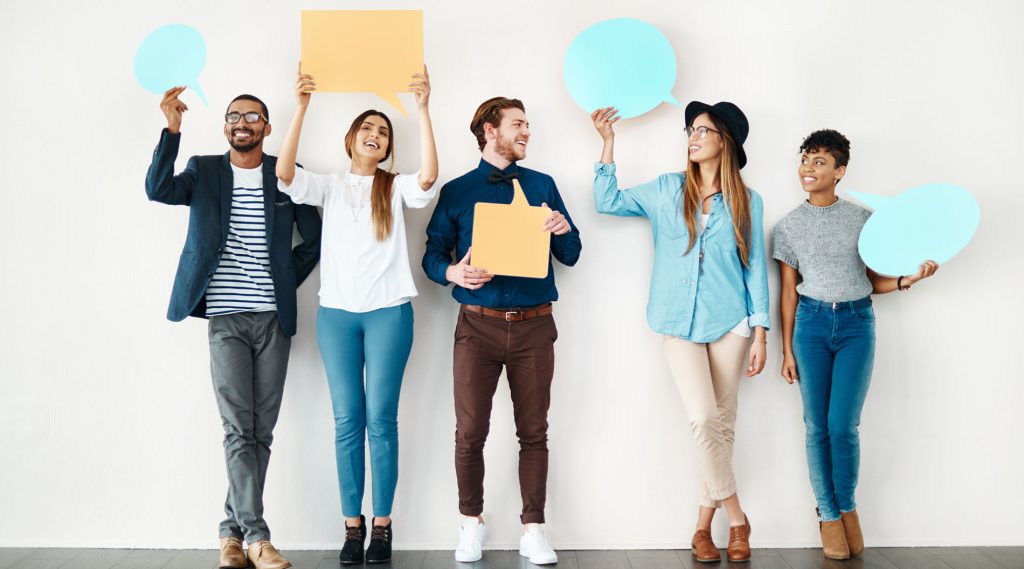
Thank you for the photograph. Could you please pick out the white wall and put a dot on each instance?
(109, 435)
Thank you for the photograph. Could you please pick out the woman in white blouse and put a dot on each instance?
(365, 321)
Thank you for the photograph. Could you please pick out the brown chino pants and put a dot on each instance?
(527, 351)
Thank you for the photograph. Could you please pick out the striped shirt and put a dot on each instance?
(242, 281)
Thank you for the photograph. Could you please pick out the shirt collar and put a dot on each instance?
(485, 168)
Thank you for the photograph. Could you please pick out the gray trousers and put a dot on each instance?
(248, 362)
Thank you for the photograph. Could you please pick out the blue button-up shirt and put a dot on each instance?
(702, 294)
(451, 226)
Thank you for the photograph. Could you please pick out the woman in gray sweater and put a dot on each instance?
(828, 330)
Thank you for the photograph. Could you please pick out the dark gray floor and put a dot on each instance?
(874, 558)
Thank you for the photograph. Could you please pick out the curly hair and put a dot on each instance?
(831, 141)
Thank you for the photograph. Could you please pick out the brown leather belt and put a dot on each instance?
(510, 315)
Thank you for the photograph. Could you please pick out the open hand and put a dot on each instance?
(756, 359)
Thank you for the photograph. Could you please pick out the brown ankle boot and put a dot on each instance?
(739, 541)
(263, 555)
(231, 554)
(854, 537)
(703, 548)
(833, 540)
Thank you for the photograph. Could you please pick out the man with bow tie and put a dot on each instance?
(504, 322)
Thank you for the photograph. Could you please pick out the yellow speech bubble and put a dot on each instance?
(510, 239)
(363, 51)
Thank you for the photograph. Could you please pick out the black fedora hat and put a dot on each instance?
(729, 114)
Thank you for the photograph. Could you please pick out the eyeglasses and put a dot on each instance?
(235, 116)
(702, 131)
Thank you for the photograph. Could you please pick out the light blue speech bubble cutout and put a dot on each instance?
(934, 222)
(624, 63)
(172, 55)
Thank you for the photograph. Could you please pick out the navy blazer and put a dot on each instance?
(206, 186)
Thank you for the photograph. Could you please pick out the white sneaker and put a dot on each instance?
(472, 536)
(535, 546)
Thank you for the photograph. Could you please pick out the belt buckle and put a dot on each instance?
(509, 316)
(834, 305)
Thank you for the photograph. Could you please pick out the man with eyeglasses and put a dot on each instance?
(238, 269)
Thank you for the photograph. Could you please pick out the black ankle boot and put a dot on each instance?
(380, 544)
(352, 551)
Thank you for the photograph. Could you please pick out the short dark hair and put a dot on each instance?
(255, 99)
(831, 141)
(489, 112)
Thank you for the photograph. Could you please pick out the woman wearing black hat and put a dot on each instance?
(709, 291)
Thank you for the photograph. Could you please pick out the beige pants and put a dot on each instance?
(708, 378)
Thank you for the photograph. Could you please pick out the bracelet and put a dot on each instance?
(899, 283)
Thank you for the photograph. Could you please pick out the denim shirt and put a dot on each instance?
(702, 294)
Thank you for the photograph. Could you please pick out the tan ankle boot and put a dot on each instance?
(854, 537)
(703, 548)
(231, 554)
(265, 556)
(739, 542)
(833, 540)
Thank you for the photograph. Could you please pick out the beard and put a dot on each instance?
(254, 140)
(509, 150)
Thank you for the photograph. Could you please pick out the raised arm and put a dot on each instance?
(428, 150)
(304, 85)
(608, 198)
(162, 185)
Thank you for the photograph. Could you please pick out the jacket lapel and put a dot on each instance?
(269, 196)
(226, 192)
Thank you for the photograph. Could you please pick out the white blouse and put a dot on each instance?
(357, 272)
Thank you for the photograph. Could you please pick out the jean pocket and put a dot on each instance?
(866, 314)
(804, 312)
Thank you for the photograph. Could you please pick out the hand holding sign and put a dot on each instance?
(335, 47)
(515, 239)
(467, 276)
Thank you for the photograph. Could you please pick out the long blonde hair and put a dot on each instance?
(734, 191)
(380, 192)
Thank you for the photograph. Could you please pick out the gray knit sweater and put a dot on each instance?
(821, 244)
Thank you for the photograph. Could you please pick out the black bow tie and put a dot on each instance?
(499, 176)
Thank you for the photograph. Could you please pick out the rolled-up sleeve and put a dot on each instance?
(608, 198)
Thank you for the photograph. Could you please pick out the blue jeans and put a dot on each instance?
(378, 341)
(834, 347)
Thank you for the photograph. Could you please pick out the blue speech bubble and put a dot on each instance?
(932, 222)
(624, 63)
(172, 55)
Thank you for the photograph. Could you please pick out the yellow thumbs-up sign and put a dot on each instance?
(510, 239)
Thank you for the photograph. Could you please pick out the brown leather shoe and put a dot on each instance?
(854, 537)
(739, 542)
(265, 556)
(231, 554)
(833, 540)
(703, 548)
